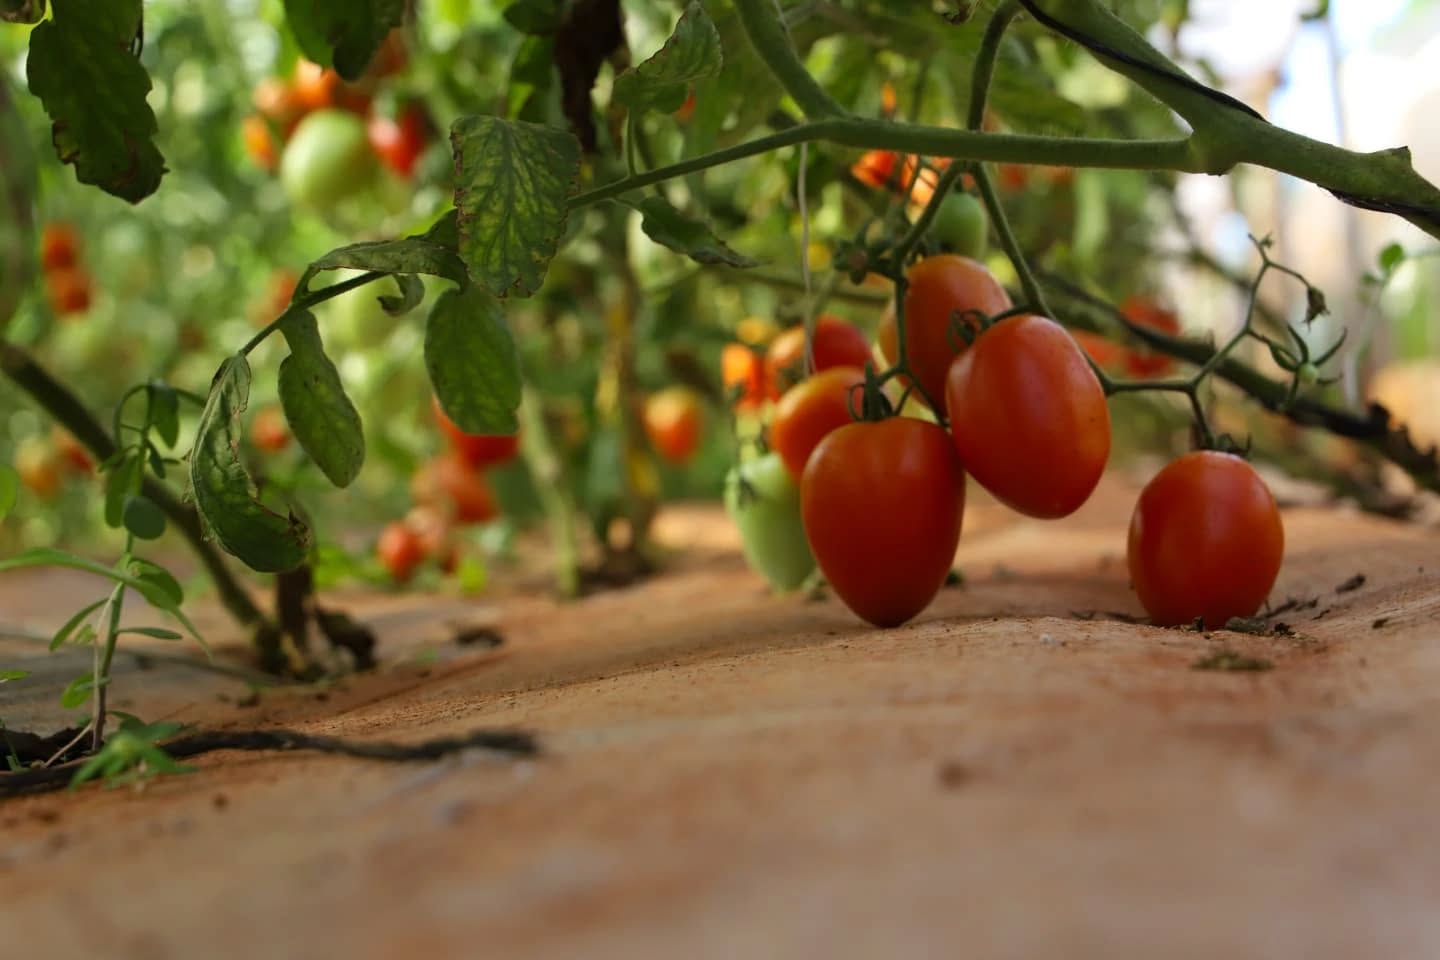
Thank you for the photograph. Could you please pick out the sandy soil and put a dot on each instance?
(1019, 773)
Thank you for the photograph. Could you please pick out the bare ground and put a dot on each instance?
(727, 774)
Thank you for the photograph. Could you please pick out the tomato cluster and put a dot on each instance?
(323, 135)
(880, 498)
(449, 490)
(67, 282)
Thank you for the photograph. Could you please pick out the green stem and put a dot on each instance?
(100, 676)
(312, 299)
(984, 68)
(66, 409)
(930, 141)
(769, 36)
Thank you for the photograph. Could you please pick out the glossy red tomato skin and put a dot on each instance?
(476, 450)
(1029, 417)
(673, 419)
(398, 143)
(1206, 540)
(939, 286)
(836, 344)
(809, 411)
(882, 504)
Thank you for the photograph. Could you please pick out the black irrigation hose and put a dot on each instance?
(516, 743)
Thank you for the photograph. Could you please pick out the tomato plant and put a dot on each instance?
(1206, 541)
(1030, 421)
(673, 420)
(764, 503)
(450, 483)
(882, 504)
(398, 142)
(941, 294)
(742, 374)
(809, 411)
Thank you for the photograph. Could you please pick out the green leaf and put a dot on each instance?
(412, 291)
(343, 33)
(472, 362)
(663, 81)
(155, 633)
(121, 478)
(670, 228)
(63, 635)
(534, 16)
(324, 420)
(7, 675)
(157, 585)
(9, 489)
(225, 493)
(82, 69)
(513, 182)
(77, 692)
(143, 518)
(1391, 257)
(22, 11)
(164, 412)
(428, 255)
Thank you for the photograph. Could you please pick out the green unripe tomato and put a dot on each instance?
(328, 160)
(959, 225)
(355, 320)
(768, 515)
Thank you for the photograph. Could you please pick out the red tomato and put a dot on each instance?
(68, 289)
(398, 144)
(476, 450)
(742, 369)
(59, 246)
(1013, 177)
(400, 550)
(392, 57)
(809, 412)
(1107, 354)
(672, 422)
(882, 504)
(1143, 362)
(449, 482)
(1029, 417)
(260, 142)
(1206, 541)
(270, 432)
(836, 344)
(940, 287)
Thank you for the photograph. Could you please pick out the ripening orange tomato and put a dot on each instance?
(276, 101)
(450, 483)
(70, 451)
(260, 142)
(742, 375)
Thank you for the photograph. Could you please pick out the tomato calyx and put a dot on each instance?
(875, 405)
(967, 325)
